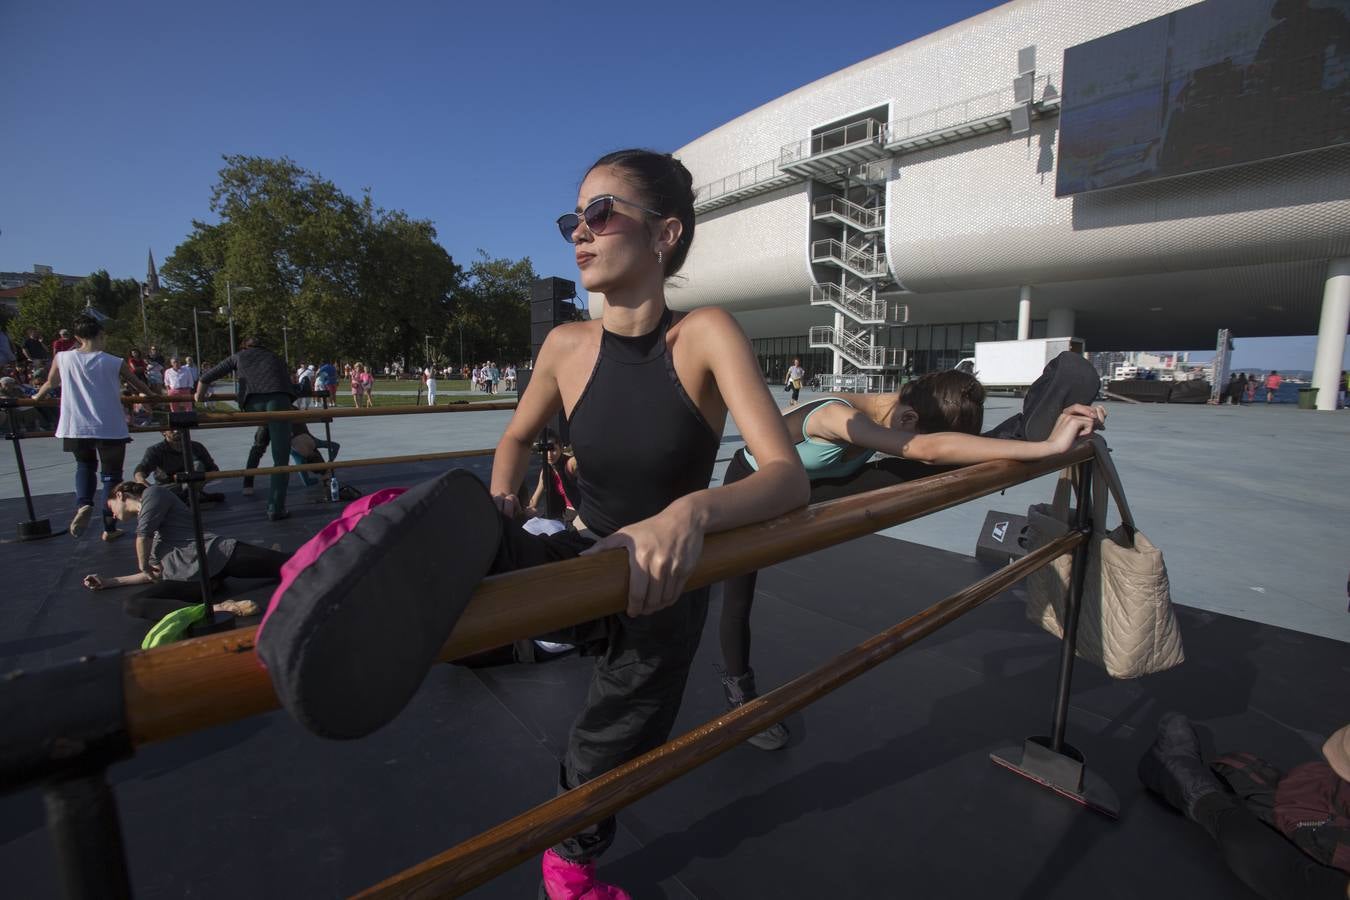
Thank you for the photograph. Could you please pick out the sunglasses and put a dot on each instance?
(595, 215)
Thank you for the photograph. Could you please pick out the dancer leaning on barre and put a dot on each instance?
(933, 420)
(166, 556)
(646, 393)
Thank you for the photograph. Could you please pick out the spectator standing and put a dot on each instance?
(63, 342)
(179, 382)
(793, 381)
(35, 350)
(367, 387)
(92, 424)
(155, 356)
(7, 355)
(1251, 387)
(262, 384)
(325, 381)
(1273, 382)
(494, 375)
(430, 375)
(355, 379)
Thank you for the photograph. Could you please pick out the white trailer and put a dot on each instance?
(1014, 365)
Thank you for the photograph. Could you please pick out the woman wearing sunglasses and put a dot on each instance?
(646, 393)
(366, 606)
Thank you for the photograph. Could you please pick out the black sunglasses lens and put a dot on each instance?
(597, 214)
(567, 223)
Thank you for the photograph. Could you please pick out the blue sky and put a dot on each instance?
(480, 117)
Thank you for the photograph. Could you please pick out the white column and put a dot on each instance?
(1024, 314)
(838, 339)
(1331, 333)
(1060, 323)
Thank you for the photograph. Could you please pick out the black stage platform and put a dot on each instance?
(885, 791)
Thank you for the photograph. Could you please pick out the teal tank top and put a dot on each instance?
(822, 459)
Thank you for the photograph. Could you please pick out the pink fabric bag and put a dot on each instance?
(312, 549)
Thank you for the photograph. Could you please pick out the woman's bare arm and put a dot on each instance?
(541, 401)
(52, 383)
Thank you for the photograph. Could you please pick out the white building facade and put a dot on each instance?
(886, 217)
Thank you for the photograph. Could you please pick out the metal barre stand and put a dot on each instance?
(34, 529)
(211, 620)
(1050, 761)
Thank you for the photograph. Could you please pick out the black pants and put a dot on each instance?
(163, 597)
(738, 593)
(1263, 858)
(641, 668)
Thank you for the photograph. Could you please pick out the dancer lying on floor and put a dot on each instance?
(933, 420)
(1286, 836)
(357, 623)
(166, 556)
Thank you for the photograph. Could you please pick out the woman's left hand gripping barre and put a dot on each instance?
(662, 553)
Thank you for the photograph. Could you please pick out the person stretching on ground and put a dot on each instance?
(934, 420)
(1285, 836)
(166, 556)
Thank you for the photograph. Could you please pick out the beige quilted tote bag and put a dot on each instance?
(1127, 624)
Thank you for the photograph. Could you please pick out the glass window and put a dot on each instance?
(1007, 331)
(1038, 327)
(923, 338)
(969, 335)
(988, 331)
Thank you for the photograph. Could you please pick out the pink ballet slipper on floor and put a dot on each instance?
(565, 880)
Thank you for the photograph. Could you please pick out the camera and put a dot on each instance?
(544, 446)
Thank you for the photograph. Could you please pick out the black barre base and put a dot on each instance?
(35, 530)
(1064, 773)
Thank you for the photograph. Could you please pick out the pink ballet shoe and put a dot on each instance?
(565, 880)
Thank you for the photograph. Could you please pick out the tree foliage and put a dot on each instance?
(300, 262)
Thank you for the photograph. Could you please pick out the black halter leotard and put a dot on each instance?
(640, 441)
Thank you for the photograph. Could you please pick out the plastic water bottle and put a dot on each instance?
(333, 489)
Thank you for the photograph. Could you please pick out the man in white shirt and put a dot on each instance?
(179, 382)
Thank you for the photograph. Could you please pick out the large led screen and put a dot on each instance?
(1217, 84)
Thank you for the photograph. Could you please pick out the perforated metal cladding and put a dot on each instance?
(982, 213)
(749, 256)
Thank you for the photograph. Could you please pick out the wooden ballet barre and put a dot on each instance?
(478, 860)
(212, 680)
(315, 415)
(345, 464)
(133, 400)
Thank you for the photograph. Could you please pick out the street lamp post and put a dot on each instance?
(286, 343)
(229, 311)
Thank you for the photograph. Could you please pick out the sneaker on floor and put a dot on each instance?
(241, 608)
(740, 690)
(1173, 768)
(81, 520)
(565, 880)
(115, 534)
(248, 490)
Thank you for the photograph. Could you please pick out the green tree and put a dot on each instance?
(47, 306)
(493, 309)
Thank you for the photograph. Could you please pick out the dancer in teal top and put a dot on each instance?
(935, 419)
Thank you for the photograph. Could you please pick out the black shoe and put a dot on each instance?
(1173, 769)
(276, 515)
(740, 690)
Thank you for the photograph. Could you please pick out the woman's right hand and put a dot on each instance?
(1067, 430)
(93, 582)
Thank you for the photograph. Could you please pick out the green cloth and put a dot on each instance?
(172, 627)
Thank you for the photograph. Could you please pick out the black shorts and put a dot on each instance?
(72, 445)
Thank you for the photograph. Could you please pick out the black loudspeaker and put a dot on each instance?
(1003, 538)
(552, 289)
(549, 307)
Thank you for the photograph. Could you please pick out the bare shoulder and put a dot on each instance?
(572, 337)
(709, 326)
